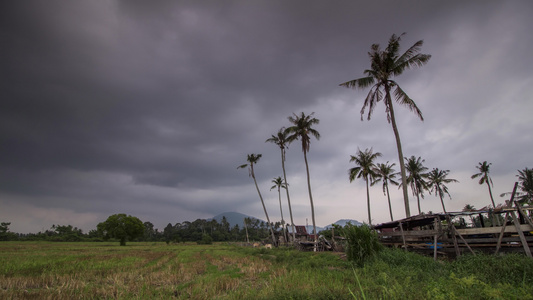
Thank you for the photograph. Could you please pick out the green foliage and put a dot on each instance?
(122, 227)
(362, 243)
(206, 240)
(509, 268)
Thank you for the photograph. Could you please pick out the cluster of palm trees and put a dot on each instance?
(418, 179)
(385, 65)
(301, 129)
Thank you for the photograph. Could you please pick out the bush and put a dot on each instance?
(362, 243)
(206, 240)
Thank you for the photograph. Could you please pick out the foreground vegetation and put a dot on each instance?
(44, 270)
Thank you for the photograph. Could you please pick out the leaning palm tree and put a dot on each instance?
(252, 159)
(280, 139)
(416, 177)
(302, 129)
(387, 174)
(485, 178)
(365, 169)
(279, 184)
(385, 65)
(437, 180)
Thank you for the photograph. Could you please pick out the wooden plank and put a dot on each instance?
(489, 230)
(473, 241)
(410, 233)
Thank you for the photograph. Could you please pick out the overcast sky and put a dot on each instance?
(148, 107)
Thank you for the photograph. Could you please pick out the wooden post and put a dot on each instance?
(403, 237)
(454, 238)
(521, 234)
(505, 219)
(498, 245)
(435, 241)
(464, 241)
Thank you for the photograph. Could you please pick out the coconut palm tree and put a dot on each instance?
(386, 174)
(280, 139)
(278, 183)
(437, 180)
(485, 178)
(385, 65)
(416, 177)
(365, 169)
(302, 129)
(252, 159)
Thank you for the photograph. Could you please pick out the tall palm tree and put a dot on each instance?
(387, 174)
(280, 139)
(385, 65)
(279, 184)
(365, 169)
(302, 129)
(437, 180)
(416, 177)
(485, 178)
(252, 159)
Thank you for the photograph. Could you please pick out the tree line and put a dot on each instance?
(122, 228)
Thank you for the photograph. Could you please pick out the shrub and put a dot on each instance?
(362, 243)
(206, 240)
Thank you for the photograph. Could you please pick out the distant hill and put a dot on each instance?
(233, 218)
(343, 222)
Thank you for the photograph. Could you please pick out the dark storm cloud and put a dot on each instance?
(110, 105)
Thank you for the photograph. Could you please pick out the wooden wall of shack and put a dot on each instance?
(501, 230)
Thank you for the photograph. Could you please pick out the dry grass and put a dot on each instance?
(84, 270)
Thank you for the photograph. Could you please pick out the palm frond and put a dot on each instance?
(403, 99)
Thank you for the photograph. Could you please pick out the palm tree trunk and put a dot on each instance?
(311, 200)
(390, 207)
(491, 198)
(368, 203)
(264, 208)
(281, 211)
(287, 190)
(442, 202)
(418, 201)
(400, 152)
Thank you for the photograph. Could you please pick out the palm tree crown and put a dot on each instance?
(385, 65)
(302, 129)
(484, 178)
(365, 169)
(415, 179)
(437, 180)
(387, 174)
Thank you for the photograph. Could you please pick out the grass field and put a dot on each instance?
(44, 270)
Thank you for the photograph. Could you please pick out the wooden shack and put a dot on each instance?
(505, 229)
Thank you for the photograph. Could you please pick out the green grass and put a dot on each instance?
(42, 270)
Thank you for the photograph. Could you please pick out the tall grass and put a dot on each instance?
(362, 243)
